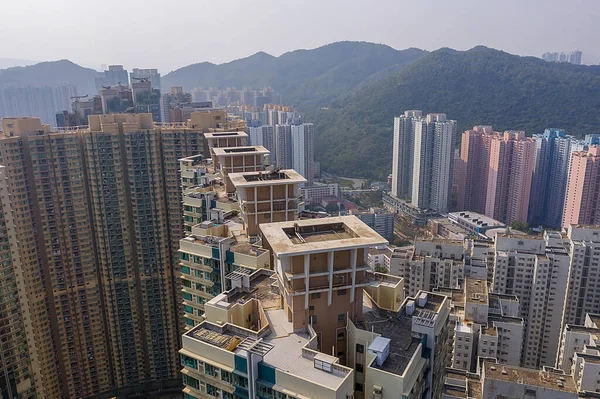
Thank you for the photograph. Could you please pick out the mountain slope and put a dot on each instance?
(479, 86)
(50, 73)
(14, 62)
(305, 78)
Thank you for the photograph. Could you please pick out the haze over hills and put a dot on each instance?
(50, 73)
(478, 86)
(364, 85)
(14, 62)
(305, 78)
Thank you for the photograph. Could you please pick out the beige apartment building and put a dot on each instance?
(239, 160)
(300, 327)
(107, 200)
(21, 376)
(46, 183)
(266, 197)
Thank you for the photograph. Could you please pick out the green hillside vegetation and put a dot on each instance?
(479, 86)
(305, 78)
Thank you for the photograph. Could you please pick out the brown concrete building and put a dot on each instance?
(239, 160)
(20, 376)
(267, 197)
(47, 186)
(321, 269)
(98, 217)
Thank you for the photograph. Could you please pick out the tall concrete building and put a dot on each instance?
(549, 179)
(127, 195)
(146, 73)
(264, 136)
(581, 201)
(114, 75)
(403, 153)
(283, 146)
(433, 166)
(472, 169)
(97, 212)
(509, 177)
(423, 159)
(21, 375)
(584, 251)
(40, 101)
(485, 325)
(535, 270)
(46, 182)
(303, 151)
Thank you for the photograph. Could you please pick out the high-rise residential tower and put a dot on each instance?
(303, 151)
(264, 136)
(114, 75)
(549, 179)
(583, 185)
(433, 162)
(283, 146)
(403, 155)
(472, 169)
(509, 177)
(47, 183)
(21, 375)
(96, 212)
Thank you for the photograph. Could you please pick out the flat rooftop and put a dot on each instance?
(538, 378)
(476, 219)
(319, 235)
(399, 331)
(225, 134)
(282, 348)
(234, 151)
(476, 291)
(252, 179)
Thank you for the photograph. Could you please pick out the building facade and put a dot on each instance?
(549, 178)
(509, 177)
(581, 204)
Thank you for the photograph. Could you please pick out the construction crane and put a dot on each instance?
(77, 98)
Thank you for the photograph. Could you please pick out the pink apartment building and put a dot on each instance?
(472, 168)
(582, 202)
(510, 168)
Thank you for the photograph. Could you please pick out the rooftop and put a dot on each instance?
(319, 235)
(538, 378)
(225, 134)
(251, 179)
(247, 150)
(476, 291)
(476, 218)
(399, 330)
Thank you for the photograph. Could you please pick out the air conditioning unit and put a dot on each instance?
(377, 392)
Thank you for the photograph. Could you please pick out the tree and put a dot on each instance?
(381, 269)
(332, 207)
(521, 226)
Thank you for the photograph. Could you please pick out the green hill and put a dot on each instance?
(479, 86)
(305, 78)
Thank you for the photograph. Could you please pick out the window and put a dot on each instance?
(340, 336)
(311, 308)
(358, 387)
(312, 320)
(315, 296)
(341, 317)
(341, 292)
(360, 348)
(359, 368)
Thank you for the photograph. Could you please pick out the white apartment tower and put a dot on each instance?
(535, 269)
(423, 161)
(303, 150)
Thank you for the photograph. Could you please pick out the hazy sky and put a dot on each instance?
(169, 34)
